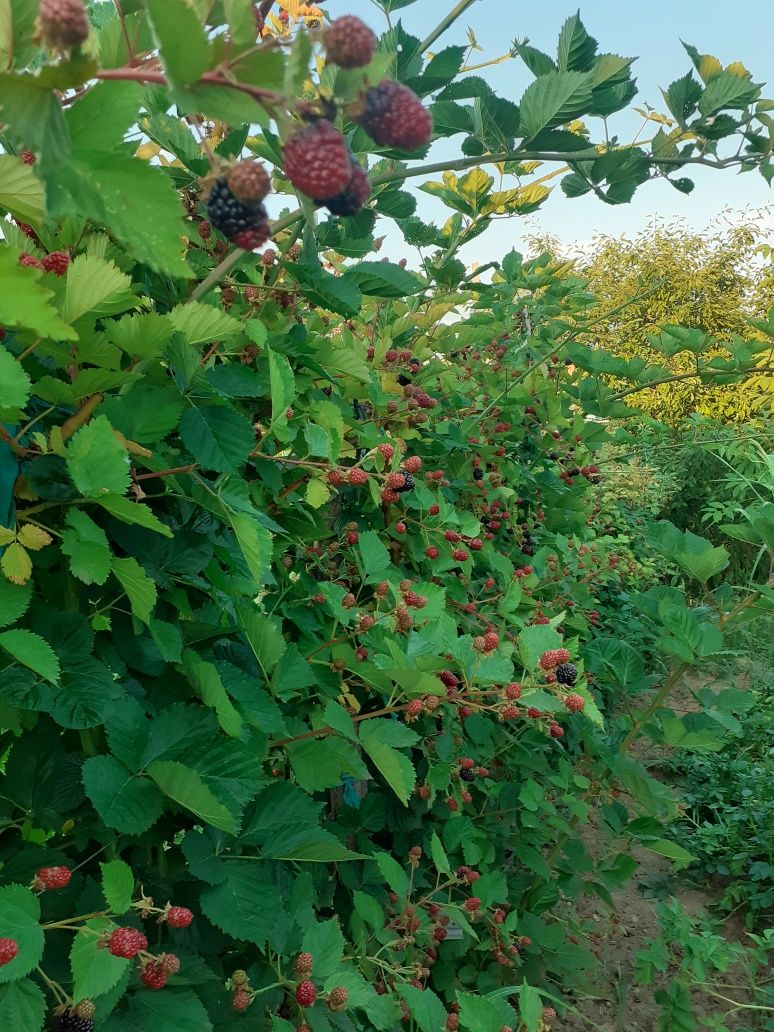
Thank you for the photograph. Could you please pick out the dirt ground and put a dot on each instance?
(613, 1001)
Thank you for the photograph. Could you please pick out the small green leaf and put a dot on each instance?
(379, 739)
(438, 853)
(218, 437)
(117, 886)
(22, 1006)
(19, 920)
(95, 971)
(14, 383)
(425, 1008)
(14, 600)
(185, 786)
(185, 51)
(125, 801)
(25, 303)
(283, 388)
(480, 1014)
(264, 636)
(132, 512)
(97, 461)
(96, 286)
(21, 191)
(530, 1007)
(207, 682)
(138, 586)
(86, 545)
(31, 651)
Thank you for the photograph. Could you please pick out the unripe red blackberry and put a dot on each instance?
(153, 975)
(62, 24)
(29, 157)
(127, 943)
(349, 43)
(574, 703)
(306, 993)
(395, 117)
(254, 237)
(249, 182)
(9, 948)
(304, 964)
(414, 710)
(318, 161)
(170, 963)
(57, 262)
(357, 477)
(337, 999)
(53, 878)
(240, 1001)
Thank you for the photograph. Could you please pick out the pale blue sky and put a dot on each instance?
(741, 30)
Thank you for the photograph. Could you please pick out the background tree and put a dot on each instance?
(714, 281)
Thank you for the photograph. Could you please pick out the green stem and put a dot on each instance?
(445, 23)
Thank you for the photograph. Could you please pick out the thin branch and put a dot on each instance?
(691, 376)
(15, 447)
(445, 23)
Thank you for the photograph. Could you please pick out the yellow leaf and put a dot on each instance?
(146, 151)
(16, 564)
(7, 536)
(709, 66)
(449, 181)
(737, 68)
(475, 185)
(317, 493)
(33, 537)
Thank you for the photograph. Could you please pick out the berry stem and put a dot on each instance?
(55, 987)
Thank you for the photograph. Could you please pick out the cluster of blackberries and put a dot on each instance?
(318, 159)
(235, 205)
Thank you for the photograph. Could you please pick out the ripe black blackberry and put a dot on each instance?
(70, 1022)
(468, 775)
(235, 220)
(478, 474)
(408, 482)
(352, 199)
(567, 674)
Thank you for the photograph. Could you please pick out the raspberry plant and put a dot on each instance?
(287, 537)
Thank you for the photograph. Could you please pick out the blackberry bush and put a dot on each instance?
(286, 539)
